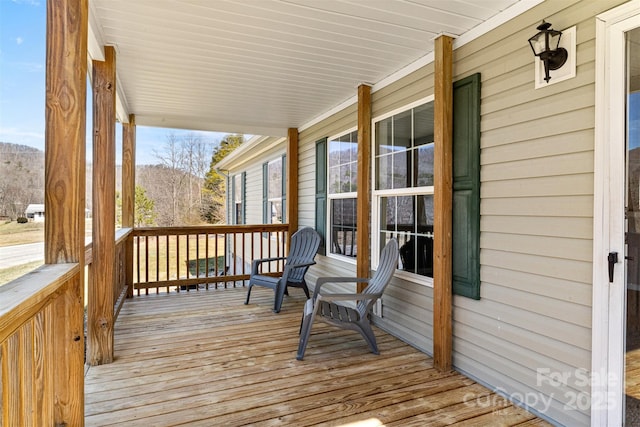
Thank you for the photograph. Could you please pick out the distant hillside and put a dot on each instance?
(21, 178)
(177, 194)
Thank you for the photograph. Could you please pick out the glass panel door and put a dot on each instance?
(632, 355)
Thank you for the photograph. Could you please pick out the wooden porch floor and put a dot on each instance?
(205, 359)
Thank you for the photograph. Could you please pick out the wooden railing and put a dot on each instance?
(42, 348)
(197, 257)
(120, 287)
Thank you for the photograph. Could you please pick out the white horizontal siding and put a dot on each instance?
(253, 200)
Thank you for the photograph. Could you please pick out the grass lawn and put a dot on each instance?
(12, 233)
(11, 273)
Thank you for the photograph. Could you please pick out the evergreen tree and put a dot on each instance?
(145, 213)
(118, 209)
(214, 210)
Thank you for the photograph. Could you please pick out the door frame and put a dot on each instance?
(608, 307)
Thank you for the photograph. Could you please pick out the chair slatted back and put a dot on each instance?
(304, 246)
(381, 278)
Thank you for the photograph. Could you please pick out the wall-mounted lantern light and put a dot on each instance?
(545, 45)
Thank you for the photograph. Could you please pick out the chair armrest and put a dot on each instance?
(304, 264)
(322, 280)
(290, 267)
(256, 262)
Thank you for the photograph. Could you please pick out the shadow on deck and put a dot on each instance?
(205, 359)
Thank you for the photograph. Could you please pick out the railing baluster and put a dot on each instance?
(146, 262)
(227, 251)
(166, 254)
(206, 251)
(244, 254)
(188, 256)
(137, 242)
(224, 257)
(157, 262)
(178, 259)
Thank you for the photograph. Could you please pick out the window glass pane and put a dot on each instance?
(424, 213)
(388, 213)
(237, 188)
(342, 152)
(334, 179)
(334, 152)
(402, 132)
(275, 207)
(384, 136)
(353, 176)
(275, 179)
(424, 166)
(238, 207)
(405, 214)
(416, 246)
(343, 227)
(401, 170)
(345, 150)
(423, 124)
(336, 212)
(345, 180)
(384, 172)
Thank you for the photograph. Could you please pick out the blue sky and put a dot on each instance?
(22, 85)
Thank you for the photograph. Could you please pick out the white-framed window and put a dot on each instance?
(274, 192)
(238, 194)
(403, 185)
(342, 178)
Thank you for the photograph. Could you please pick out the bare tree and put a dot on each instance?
(175, 185)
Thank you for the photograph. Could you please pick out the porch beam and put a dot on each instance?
(129, 193)
(292, 181)
(65, 165)
(443, 203)
(101, 299)
(363, 238)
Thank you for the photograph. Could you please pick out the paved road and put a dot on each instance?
(21, 254)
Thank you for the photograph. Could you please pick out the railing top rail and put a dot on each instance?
(120, 236)
(211, 229)
(23, 297)
(122, 233)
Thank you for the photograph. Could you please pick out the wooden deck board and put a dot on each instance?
(204, 358)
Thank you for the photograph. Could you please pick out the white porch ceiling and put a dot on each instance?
(262, 66)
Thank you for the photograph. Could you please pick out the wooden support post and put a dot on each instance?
(442, 204)
(292, 181)
(101, 301)
(65, 163)
(363, 238)
(129, 194)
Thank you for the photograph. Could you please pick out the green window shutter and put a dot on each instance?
(321, 192)
(284, 188)
(265, 193)
(243, 184)
(466, 187)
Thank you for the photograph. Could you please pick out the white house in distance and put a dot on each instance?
(35, 212)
